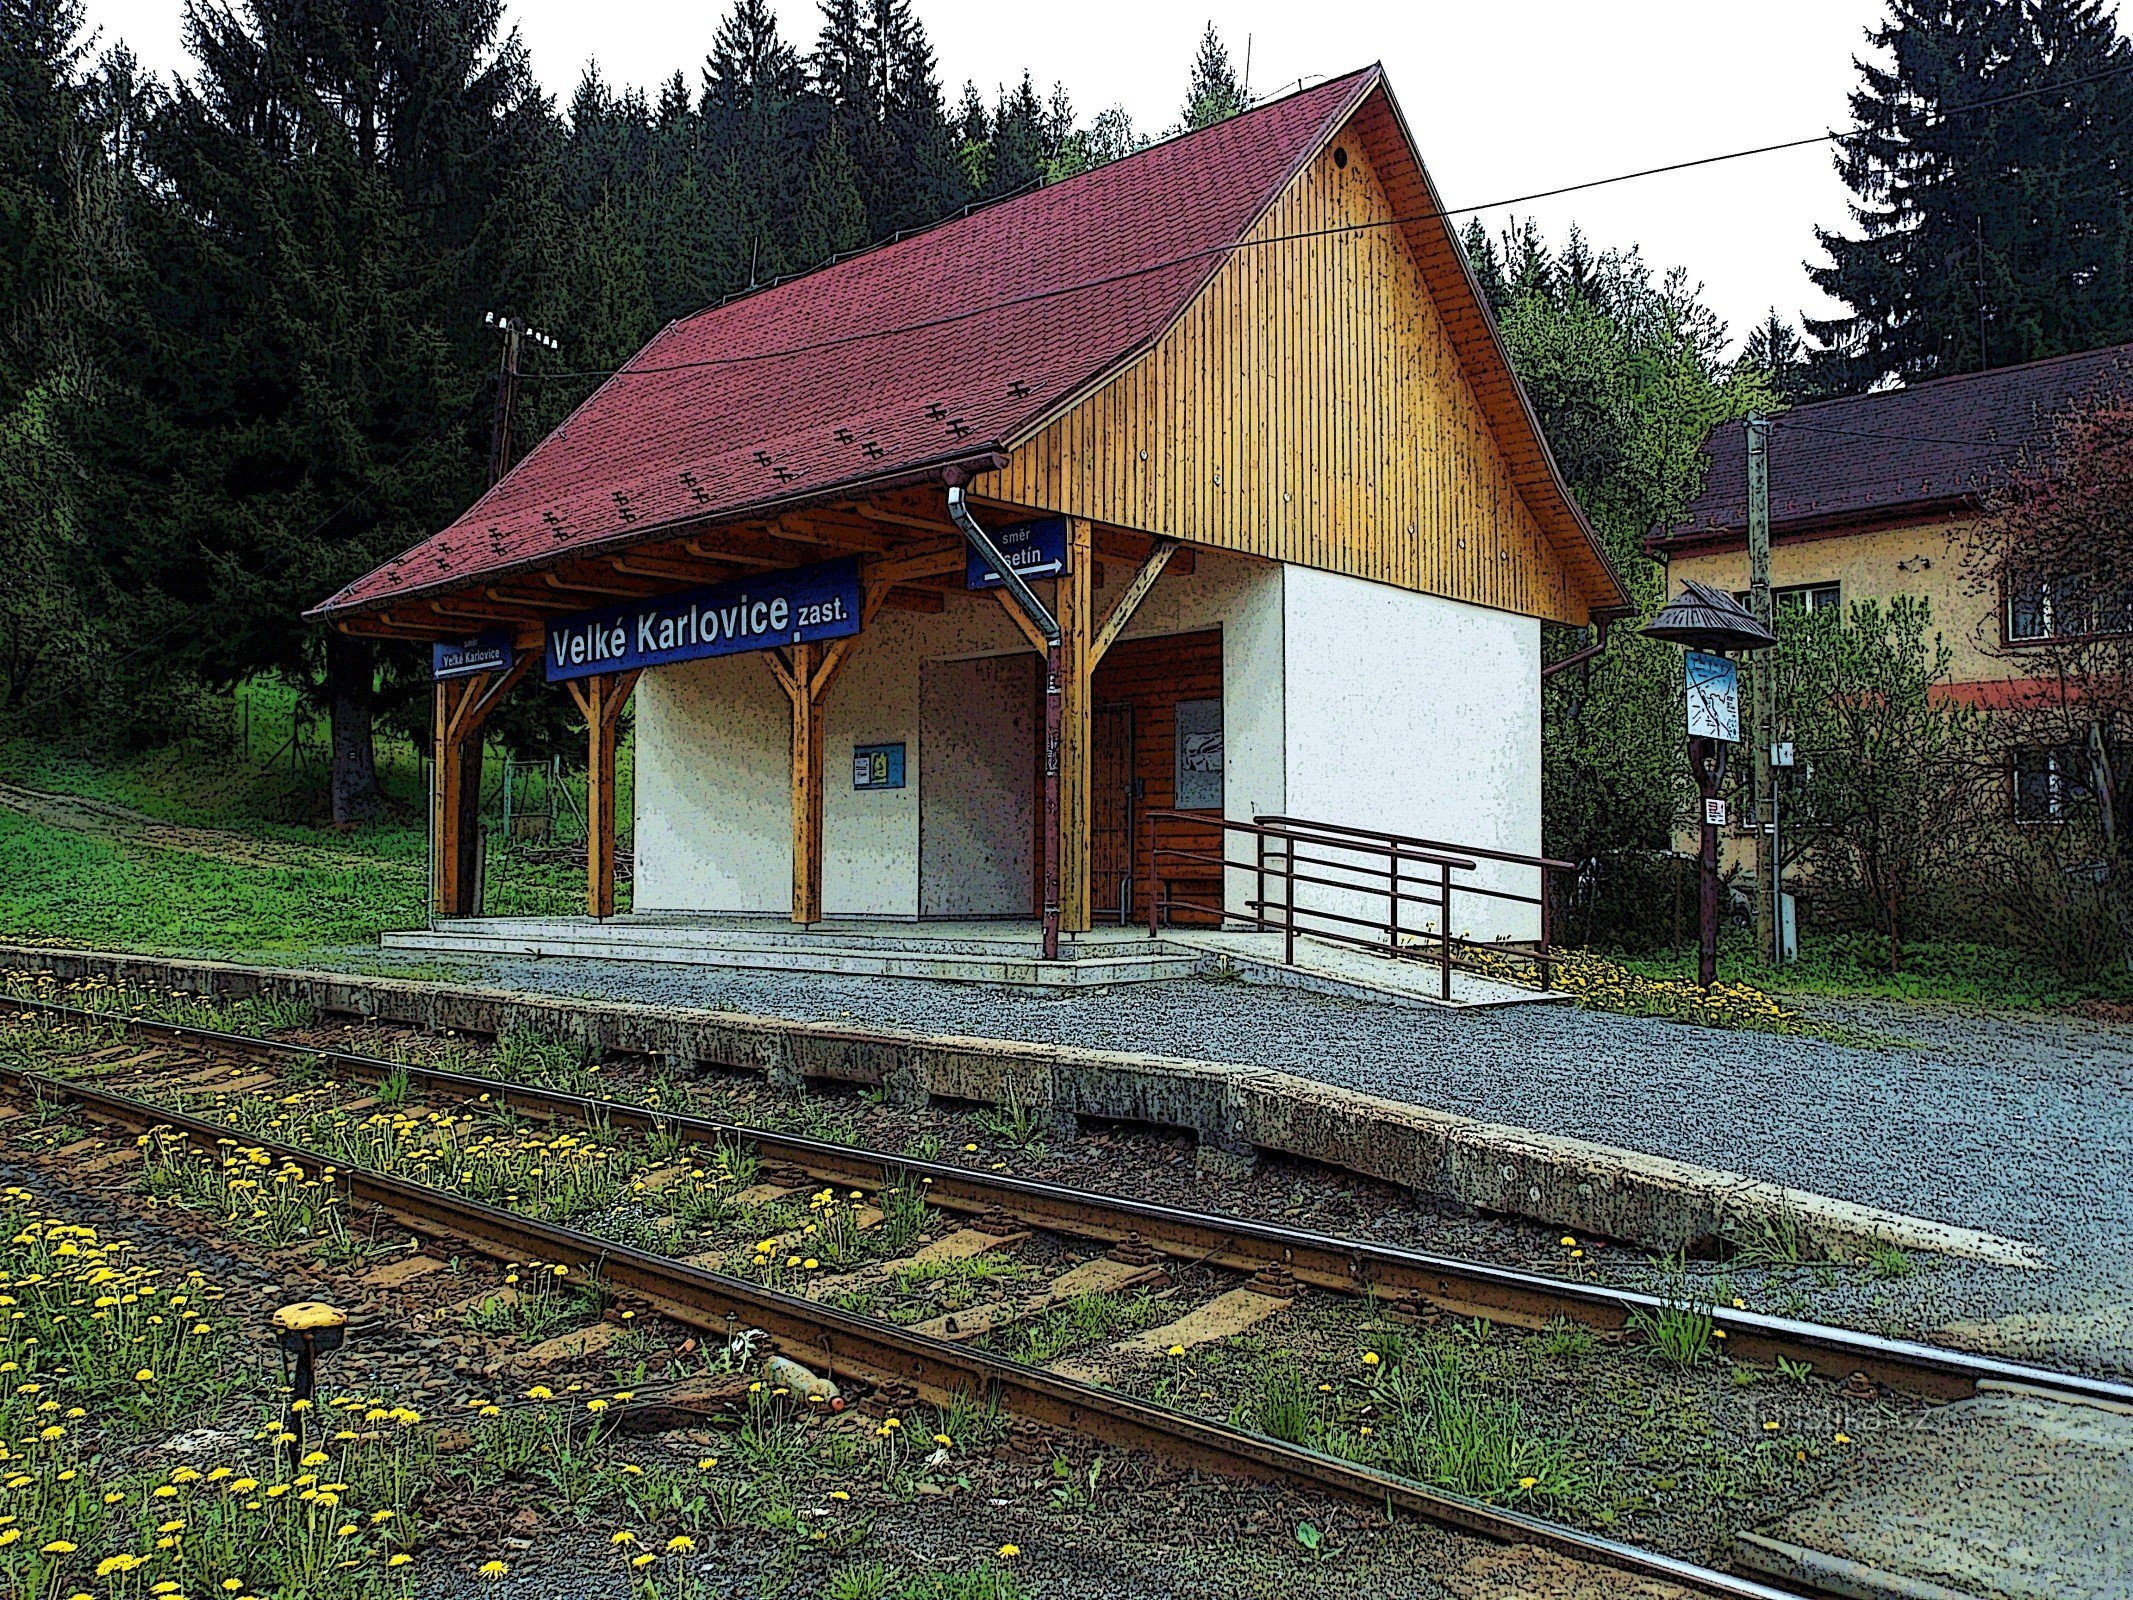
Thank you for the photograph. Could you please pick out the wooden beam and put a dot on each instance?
(1036, 640)
(808, 785)
(734, 557)
(805, 529)
(1117, 544)
(460, 708)
(600, 699)
(935, 560)
(373, 625)
(905, 598)
(1074, 599)
(506, 613)
(1130, 601)
(639, 566)
(605, 591)
(874, 511)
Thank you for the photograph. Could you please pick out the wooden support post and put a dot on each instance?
(447, 809)
(459, 710)
(807, 783)
(1077, 661)
(600, 700)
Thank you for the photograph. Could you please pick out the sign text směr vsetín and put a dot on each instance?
(800, 606)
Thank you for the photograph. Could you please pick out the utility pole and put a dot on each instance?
(513, 329)
(472, 842)
(1764, 709)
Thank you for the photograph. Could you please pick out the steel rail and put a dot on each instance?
(875, 1352)
(1325, 1261)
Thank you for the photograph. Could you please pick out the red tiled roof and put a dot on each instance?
(921, 352)
(1901, 452)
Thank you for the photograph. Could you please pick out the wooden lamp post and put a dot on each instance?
(1711, 626)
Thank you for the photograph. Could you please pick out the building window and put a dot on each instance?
(2049, 783)
(1809, 597)
(2065, 608)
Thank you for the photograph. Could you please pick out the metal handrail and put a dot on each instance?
(1377, 868)
(1547, 866)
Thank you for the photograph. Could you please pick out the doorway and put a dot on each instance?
(1161, 748)
(1114, 792)
(977, 814)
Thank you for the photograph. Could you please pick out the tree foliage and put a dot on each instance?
(1628, 375)
(242, 351)
(1215, 91)
(1993, 170)
(1888, 796)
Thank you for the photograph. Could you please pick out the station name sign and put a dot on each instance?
(1033, 549)
(802, 605)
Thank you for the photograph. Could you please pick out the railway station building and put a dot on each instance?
(1280, 526)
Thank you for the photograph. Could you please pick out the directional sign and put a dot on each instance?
(1033, 549)
(488, 652)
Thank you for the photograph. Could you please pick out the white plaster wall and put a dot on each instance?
(713, 737)
(714, 763)
(1418, 715)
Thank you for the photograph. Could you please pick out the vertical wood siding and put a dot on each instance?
(1309, 406)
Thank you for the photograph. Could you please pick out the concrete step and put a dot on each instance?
(2013, 1495)
(814, 957)
(965, 939)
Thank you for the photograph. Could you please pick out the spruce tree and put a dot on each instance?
(1214, 92)
(300, 392)
(1986, 233)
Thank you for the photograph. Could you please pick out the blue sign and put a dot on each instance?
(878, 766)
(1033, 549)
(488, 652)
(801, 605)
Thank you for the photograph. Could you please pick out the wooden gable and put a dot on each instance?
(1318, 403)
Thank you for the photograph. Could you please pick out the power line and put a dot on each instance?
(1782, 421)
(1131, 274)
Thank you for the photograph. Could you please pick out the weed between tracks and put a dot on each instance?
(105, 1353)
(1663, 1439)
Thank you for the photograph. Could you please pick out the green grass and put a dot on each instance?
(80, 889)
(1855, 966)
(333, 888)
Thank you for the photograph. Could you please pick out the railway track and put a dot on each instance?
(940, 1362)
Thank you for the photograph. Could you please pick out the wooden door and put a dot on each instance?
(1152, 677)
(1111, 798)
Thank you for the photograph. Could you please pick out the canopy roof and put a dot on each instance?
(946, 347)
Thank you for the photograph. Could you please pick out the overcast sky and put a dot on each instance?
(1505, 96)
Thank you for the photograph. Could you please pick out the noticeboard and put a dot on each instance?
(877, 766)
(1713, 690)
(1199, 756)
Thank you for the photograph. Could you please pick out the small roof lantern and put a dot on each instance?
(1704, 618)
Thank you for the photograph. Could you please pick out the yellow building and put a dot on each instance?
(1877, 495)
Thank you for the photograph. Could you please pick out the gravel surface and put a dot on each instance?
(2022, 1125)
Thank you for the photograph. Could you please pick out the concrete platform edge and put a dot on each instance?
(1833, 1574)
(1575, 1184)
